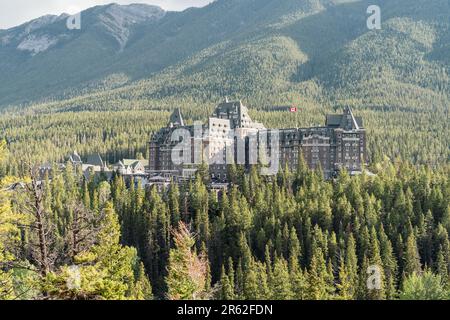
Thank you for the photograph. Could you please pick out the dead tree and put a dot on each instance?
(82, 231)
(35, 207)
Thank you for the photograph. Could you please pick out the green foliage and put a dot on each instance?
(7, 232)
(187, 272)
(318, 288)
(412, 259)
(9, 236)
(282, 249)
(107, 271)
(280, 281)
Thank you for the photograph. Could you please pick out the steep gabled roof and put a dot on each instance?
(119, 164)
(346, 121)
(133, 163)
(95, 160)
(233, 111)
(176, 119)
(75, 158)
(237, 113)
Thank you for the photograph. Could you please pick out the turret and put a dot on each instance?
(176, 119)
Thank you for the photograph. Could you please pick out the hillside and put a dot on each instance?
(43, 58)
(235, 48)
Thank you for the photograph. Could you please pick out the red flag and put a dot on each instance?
(293, 109)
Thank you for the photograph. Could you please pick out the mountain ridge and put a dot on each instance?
(319, 44)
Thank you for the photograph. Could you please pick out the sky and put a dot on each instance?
(15, 12)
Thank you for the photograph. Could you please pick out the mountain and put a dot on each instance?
(320, 49)
(43, 57)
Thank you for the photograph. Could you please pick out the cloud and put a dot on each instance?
(15, 12)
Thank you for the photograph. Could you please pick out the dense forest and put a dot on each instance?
(317, 55)
(293, 236)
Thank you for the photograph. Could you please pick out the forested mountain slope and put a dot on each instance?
(235, 47)
(318, 55)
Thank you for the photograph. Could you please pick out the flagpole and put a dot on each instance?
(295, 110)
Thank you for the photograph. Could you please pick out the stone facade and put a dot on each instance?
(231, 136)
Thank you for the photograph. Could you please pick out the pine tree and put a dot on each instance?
(251, 282)
(351, 264)
(362, 288)
(231, 275)
(174, 206)
(268, 258)
(239, 281)
(263, 281)
(9, 236)
(141, 289)
(390, 264)
(344, 286)
(374, 257)
(330, 280)
(442, 267)
(107, 271)
(199, 200)
(411, 257)
(280, 281)
(299, 283)
(317, 277)
(226, 286)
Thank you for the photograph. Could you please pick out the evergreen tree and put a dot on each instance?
(390, 264)
(412, 259)
(251, 282)
(426, 286)
(9, 236)
(174, 206)
(344, 286)
(107, 271)
(280, 281)
(226, 286)
(318, 286)
(442, 268)
(374, 257)
(351, 264)
(187, 272)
